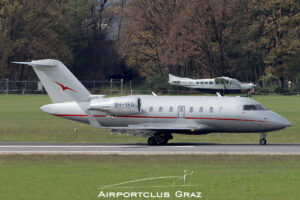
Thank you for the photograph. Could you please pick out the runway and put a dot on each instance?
(144, 149)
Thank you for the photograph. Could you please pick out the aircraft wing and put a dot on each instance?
(166, 126)
(147, 129)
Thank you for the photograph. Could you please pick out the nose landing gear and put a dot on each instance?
(160, 139)
(263, 139)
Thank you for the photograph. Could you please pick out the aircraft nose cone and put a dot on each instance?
(283, 121)
(280, 121)
(286, 123)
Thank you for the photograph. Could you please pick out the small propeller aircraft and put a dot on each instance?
(219, 84)
(155, 117)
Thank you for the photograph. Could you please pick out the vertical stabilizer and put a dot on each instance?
(60, 84)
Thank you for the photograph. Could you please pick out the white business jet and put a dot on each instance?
(155, 117)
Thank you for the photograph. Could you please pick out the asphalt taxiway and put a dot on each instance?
(144, 149)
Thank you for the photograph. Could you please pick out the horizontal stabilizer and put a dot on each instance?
(34, 63)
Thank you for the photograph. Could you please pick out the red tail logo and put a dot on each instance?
(64, 87)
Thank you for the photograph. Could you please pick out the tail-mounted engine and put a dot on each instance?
(117, 105)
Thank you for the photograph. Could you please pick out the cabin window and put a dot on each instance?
(151, 109)
(254, 107)
(227, 82)
(191, 109)
(220, 109)
(198, 83)
(160, 109)
(217, 82)
(170, 109)
(211, 109)
(206, 83)
(202, 83)
(211, 82)
(201, 109)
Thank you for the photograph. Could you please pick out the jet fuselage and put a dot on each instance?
(209, 114)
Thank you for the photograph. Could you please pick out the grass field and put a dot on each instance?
(217, 177)
(21, 120)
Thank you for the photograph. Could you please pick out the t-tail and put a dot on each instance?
(60, 84)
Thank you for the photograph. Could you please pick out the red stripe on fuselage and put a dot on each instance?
(160, 117)
(244, 120)
(157, 117)
(99, 115)
(68, 115)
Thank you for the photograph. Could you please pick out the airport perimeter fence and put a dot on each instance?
(121, 87)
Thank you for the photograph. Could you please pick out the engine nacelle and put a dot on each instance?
(117, 105)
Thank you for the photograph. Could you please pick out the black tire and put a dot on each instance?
(164, 142)
(263, 142)
(152, 141)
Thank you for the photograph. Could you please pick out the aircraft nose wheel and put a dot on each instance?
(263, 139)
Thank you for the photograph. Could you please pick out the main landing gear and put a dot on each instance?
(263, 139)
(159, 139)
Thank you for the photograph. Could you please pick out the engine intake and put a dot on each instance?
(117, 105)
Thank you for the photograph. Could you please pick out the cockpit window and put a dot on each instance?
(254, 107)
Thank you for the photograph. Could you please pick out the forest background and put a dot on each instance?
(251, 40)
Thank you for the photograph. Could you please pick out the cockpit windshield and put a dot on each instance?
(254, 107)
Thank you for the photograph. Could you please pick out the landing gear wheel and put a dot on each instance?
(165, 141)
(263, 141)
(152, 141)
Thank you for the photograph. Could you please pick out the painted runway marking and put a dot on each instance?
(144, 149)
(73, 146)
(147, 153)
(55, 146)
(60, 152)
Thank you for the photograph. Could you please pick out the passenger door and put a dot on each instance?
(181, 112)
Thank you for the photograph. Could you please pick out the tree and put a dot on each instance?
(143, 40)
(201, 38)
(278, 22)
(92, 21)
(30, 29)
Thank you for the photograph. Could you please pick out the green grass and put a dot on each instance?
(217, 177)
(21, 120)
